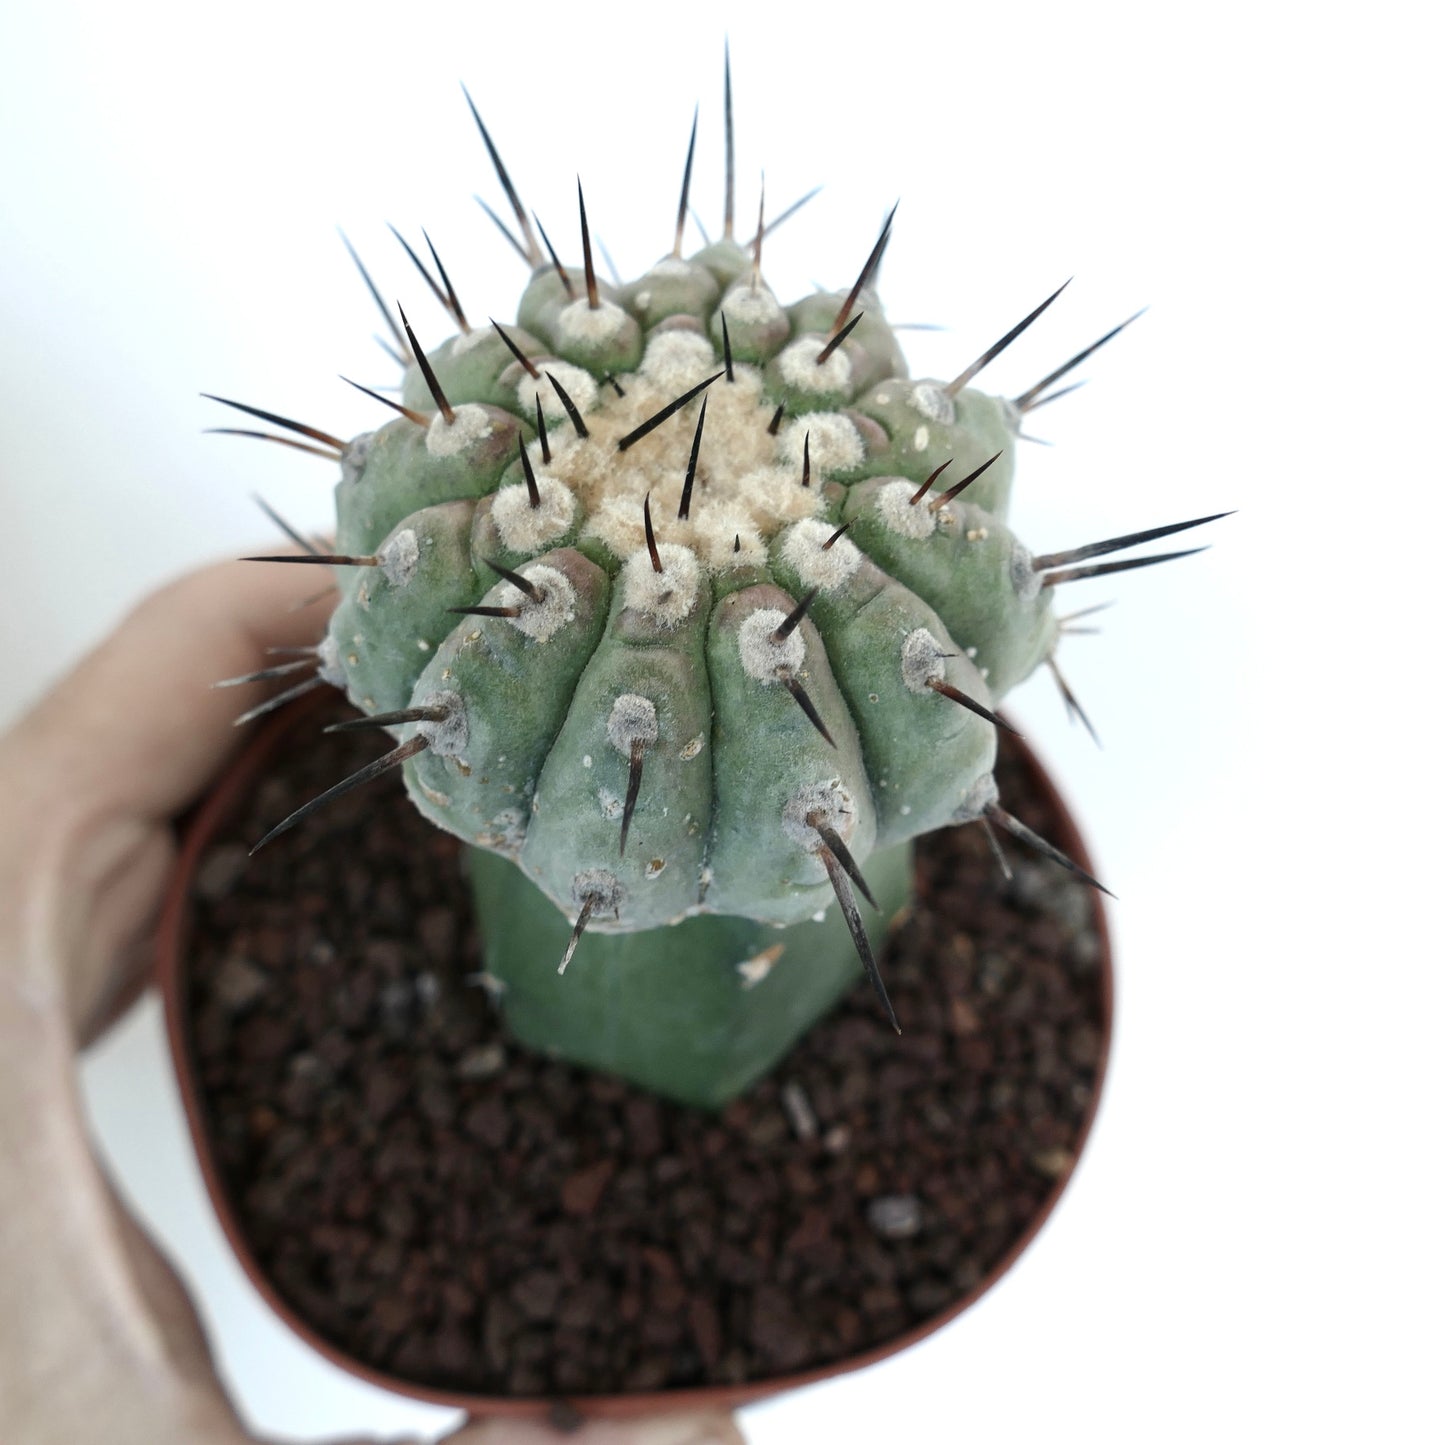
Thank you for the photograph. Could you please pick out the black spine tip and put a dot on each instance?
(1026, 835)
(968, 373)
(1118, 544)
(634, 785)
(542, 431)
(957, 487)
(428, 375)
(674, 406)
(588, 269)
(787, 626)
(523, 585)
(800, 696)
(394, 758)
(686, 503)
(570, 407)
(1032, 398)
(947, 689)
(534, 496)
(836, 341)
(316, 435)
(521, 356)
(652, 551)
(838, 877)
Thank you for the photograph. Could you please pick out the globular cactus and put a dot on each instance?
(688, 610)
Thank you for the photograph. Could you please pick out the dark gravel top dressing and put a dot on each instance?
(447, 1208)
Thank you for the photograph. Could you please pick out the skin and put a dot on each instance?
(107, 1346)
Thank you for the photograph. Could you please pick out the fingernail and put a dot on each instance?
(710, 1431)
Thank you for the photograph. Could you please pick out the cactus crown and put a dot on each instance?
(687, 601)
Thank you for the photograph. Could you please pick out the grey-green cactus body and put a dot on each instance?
(954, 571)
(640, 687)
(638, 722)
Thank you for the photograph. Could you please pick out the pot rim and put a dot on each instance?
(172, 940)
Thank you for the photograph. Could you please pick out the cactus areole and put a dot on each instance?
(687, 609)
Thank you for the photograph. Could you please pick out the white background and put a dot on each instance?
(1251, 1248)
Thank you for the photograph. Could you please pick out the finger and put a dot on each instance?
(703, 1428)
(136, 729)
(111, 954)
(98, 1340)
(173, 1329)
(706, 1428)
(100, 766)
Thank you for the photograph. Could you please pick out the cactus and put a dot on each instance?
(687, 610)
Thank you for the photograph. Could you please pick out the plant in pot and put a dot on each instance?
(685, 611)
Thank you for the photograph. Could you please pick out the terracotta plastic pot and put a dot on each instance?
(172, 975)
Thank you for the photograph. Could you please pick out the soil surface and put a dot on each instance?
(453, 1210)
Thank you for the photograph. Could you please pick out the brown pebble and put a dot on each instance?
(220, 870)
(642, 1120)
(1052, 1162)
(239, 983)
(392, 1314)
(582, 1191)
(482, 1061)
(264, 1038)
(437, 931)
(776, 1329)
(702, 1319)
(487, 1121)
(386, 1087)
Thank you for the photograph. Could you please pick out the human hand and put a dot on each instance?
(98, 1340)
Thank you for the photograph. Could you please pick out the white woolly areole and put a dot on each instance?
(834, 443)
(578, 384)
(731, 538)
(923, 656)
(677, 360)
(525, 528)
(803, 550)
(798, 366)
(777, 496)
(633, 719)
(979, 798)
(598, 887)
(398, 558)
(1027, 583)
(447, 738)
(762, 658)
(353, 457)
(753, 306)
(580, 322)
(328, 662)
(933, 403)
(540, 619)
(470, 425)
(827, 804)
(664, 597)
(898, 516)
